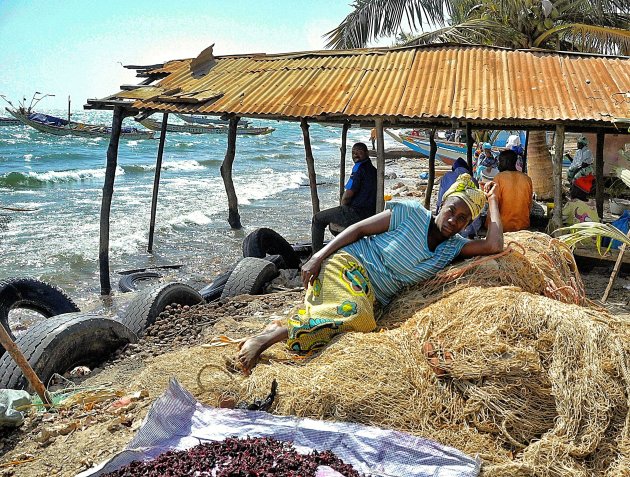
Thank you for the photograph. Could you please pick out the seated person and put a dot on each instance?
(487, 163)
(358, 201)
(374, 260)
(514, 193)
(580, 172)
(459, 167)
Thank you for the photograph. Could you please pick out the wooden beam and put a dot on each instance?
(430, 182)
(156, 181)
(615, 272)
(106, 202)
(310, 165)
(556, 221)
(380, 166)
(469, 146)
(525, 150)
(342, 161)
(599, 174)
(234, 218)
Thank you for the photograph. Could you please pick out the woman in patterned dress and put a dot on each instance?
(373, 260)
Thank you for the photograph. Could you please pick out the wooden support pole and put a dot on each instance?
(25, 366)
(380, 166)
(599, 174)
(342, 161)
(615, 272)
(469, 146)
(106, 203)
(310, 165)
(432, 154)
(156, 181)
(556, 221)
(525, 150)
(234, 218)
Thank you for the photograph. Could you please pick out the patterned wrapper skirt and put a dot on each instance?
(339, 300)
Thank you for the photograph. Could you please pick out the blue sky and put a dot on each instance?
(71, 47)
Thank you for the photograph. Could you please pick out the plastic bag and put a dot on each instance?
(623, 224)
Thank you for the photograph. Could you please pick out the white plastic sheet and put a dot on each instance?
(178, 421)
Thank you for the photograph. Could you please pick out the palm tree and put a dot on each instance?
(593, 26)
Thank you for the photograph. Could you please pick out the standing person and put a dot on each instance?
(514, 193)
(374, 260)
(580, 173)
(358, 201)
(373, 138)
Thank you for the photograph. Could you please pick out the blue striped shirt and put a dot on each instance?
(401, 257)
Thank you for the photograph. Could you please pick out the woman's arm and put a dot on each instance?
(493, 243)
(376, 224)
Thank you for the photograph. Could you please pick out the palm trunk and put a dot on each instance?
(539, 165)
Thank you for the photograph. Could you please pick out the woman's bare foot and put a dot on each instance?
(251, 349)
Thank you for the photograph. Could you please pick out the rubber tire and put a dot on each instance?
(262, 242)
(277, 260)
(128, 282)
(63, 342)
(213, 291)
(32, 294)
(249, 277)
(147, 305)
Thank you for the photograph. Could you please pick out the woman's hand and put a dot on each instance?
(310, 271)
(490, 189)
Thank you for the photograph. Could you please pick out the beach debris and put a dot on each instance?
(261, 404)
(231, 457)
(79, 371)
(11, 402)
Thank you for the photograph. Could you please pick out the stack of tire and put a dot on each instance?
(65, 339)
(265, 253)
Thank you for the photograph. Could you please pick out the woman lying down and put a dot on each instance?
(374, 260)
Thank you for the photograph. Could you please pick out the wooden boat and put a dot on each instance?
(202, 129)
(61, 127)
(9, 122)
(192, 119)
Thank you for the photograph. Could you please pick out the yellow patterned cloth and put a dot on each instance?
(465, 189)
(339, 300)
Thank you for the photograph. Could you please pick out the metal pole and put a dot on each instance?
(156, 181)
(380, 166)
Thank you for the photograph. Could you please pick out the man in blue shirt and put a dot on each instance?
(358, 201)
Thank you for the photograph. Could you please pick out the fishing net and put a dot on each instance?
(535, 385)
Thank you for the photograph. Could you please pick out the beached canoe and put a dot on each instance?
(60, 127)
(202, 129)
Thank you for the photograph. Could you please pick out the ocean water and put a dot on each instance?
(62, 179)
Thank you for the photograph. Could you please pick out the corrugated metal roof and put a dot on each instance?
(462, 82)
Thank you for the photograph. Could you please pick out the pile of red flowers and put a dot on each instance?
(232, 457)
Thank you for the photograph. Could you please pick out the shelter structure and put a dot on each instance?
(432, 87)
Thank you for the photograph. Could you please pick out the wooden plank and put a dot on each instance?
(610, 256)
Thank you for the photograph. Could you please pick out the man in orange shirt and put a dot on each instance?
(514, 193)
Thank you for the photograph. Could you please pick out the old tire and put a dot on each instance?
(63, 342)
(213, 291)
(129, 282)
(262, 242)
(148, 304)
(249, 277)
(32, 294)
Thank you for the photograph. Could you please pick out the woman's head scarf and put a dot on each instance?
(465, 189)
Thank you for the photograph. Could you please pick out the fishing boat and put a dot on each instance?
(62, 127)
(202, 129)
(193, 119)
(9, 122)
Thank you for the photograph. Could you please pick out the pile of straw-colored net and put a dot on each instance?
(533, 385)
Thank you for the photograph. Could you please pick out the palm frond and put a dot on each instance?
(623, 174)
(371, 19)
(588, 38)
(477, 31)
(584, 231)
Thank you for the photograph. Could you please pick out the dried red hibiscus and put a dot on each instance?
(251, 457)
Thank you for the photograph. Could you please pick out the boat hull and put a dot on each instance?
(77, 129)
(201, 129)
